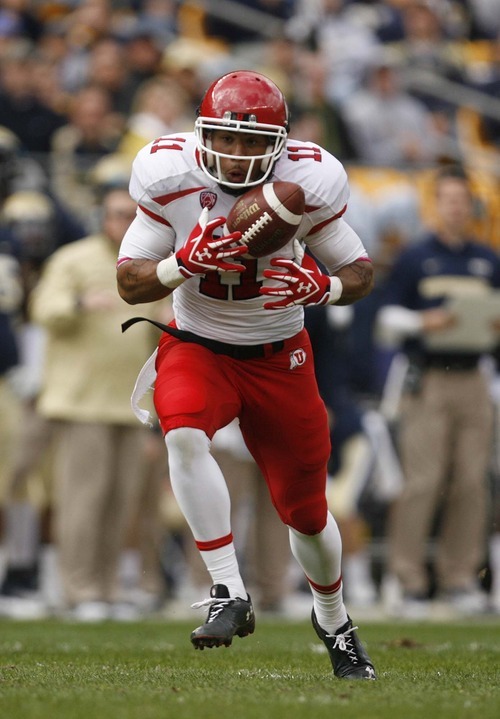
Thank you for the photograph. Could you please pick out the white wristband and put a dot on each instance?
(168, 273)
(335, 290)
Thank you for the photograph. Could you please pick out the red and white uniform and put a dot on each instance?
(171, 190)
(281, 414)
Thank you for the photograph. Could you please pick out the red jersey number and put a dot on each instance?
(167, 143)
(304, 153)
(229, 286)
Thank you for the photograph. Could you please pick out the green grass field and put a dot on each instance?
(148, 670)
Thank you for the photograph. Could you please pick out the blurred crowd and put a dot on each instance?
(396, 89)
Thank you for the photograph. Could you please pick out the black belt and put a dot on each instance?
(240, 352)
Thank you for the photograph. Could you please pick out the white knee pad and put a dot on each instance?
(185, 445)
(197, 483)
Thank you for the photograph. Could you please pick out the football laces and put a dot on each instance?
(256, 227)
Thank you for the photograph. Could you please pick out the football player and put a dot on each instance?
(237, 347)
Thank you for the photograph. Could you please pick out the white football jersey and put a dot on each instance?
(171, 190)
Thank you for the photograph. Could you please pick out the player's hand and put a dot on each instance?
(437, 319)
(203, 253)
(304, 282)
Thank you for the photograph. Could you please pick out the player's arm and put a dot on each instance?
(357, 281)
(147, 279)
(138, 282)
(304, 283)
(144, 245)
(349, 277)
(339, 248)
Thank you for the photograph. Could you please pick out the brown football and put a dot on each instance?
(267, 216)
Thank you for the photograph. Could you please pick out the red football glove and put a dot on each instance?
(305, 284)
(201, 253)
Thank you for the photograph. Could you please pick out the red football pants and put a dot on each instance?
(282, 416)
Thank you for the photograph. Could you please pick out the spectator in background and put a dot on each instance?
(100, 458)
(144, 43)
(244, 21)
(11, 296)
(346, 45)
(160, 107)
(89, 19)
(31, 218)
(18, 18)
(19, 573)
(489, 83)
(325, 121)
(108, 68)
(446, 424)
(389, 127)
(160, 16)
(36, 225)
(487, 16)
(313, 114)
(20, 172)
(21, 111)
(93, 131)
(47, 85)
(182, 62)
(30, 588)
(427, 46)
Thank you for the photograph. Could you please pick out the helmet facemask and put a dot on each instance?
(210, 160)
(248, 103)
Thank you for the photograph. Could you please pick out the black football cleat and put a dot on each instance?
(347, 653)
(227, 617)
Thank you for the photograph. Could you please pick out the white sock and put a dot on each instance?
(319, 556)
(223, 569)
(202, 495)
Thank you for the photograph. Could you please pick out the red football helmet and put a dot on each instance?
(242, 101)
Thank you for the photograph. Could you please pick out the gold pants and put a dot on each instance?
(446, 446)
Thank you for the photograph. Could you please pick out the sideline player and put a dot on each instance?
(237, 347)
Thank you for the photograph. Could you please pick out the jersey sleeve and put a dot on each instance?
(324, 180)
(158, 173)
(329, 237)
(145, 176)
(150, 236)
(337, 246)
(146, 239)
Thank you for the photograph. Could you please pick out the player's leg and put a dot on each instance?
(193, 399)
(285, 426)
(202, 495)
(201, 492)
(284, 423)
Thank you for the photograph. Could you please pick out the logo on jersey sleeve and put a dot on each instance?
(208, 199)
(297, 358)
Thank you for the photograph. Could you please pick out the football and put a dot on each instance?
(267, 216)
